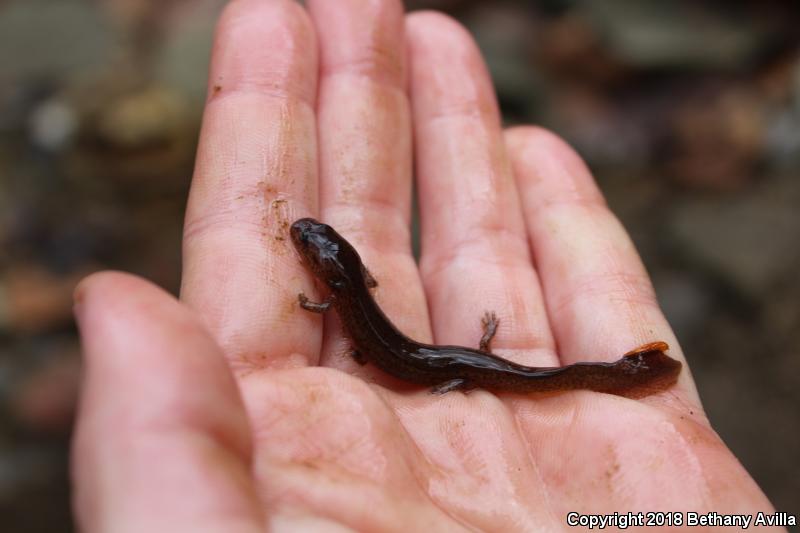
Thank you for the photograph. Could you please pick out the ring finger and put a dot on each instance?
(475, 255)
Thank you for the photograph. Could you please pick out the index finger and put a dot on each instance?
(255, 174)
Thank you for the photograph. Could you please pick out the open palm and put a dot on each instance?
(246, 413)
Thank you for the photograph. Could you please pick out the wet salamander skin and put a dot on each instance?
(337, 264)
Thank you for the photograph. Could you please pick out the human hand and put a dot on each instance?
(238, 411)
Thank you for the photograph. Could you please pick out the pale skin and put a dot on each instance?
(235, 410)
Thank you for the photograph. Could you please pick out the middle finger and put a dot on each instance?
(475, 255)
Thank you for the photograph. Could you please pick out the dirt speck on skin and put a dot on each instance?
(311, 465)
(612, 470)
(277, 224)
(249, 363)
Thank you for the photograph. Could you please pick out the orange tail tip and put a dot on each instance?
(659, 346)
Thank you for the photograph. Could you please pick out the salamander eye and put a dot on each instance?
(303, 236)
(337, 284)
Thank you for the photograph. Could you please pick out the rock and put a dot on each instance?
(184, 57)
(36, 300)
(686, 302)
(46, 399)
(23, 467)
(601, 132)
(52, 125)
(135, 135)
(43, 39)
(439, 5)
(503, 33)
(782, 138)
(655, 34)
(142, 120)
(751, 239)
(717, 138)
(5, 313)
(570, 48)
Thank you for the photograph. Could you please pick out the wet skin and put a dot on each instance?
(336, 263)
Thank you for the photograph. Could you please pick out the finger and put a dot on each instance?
(162, 442)
(475, 256)
(365, 153)
(599, 297)
(255, 174)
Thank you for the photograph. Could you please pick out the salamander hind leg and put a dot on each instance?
(447, 386)
(314, 307)
(489, 323)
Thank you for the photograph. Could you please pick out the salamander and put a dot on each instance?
(336, 263)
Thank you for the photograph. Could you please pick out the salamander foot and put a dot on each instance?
(489, 323)
(448, 386)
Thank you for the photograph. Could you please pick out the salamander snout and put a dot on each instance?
(302, 228)
(314, 240)
(324, 251)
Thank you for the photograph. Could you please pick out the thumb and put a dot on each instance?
(162, 441)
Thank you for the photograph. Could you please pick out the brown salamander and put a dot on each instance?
(336, 263)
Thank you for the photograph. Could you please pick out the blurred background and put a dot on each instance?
(687, 111)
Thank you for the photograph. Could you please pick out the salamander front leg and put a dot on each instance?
(489, 323)
(369, 279)
(447, 386)
(308, 305)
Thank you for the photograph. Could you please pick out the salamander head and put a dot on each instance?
(329, 256)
